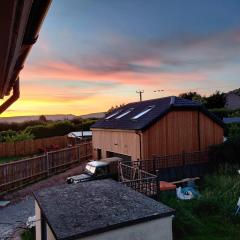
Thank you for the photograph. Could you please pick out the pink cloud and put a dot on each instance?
(63, 71)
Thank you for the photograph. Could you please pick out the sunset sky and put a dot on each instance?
(93, 54)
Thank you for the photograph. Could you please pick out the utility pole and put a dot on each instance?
(140, 92)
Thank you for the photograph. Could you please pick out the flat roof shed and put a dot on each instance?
(102, 209)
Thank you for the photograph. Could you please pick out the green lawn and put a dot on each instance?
(9, 159)
(210, 217)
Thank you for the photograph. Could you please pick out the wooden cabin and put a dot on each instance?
(162, 126)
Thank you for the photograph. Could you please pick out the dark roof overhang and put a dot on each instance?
(20, 23)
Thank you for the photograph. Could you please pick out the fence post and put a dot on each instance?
(86, 151)
(183, 158)
(47, 165)
(154, 163)
(78, 153)
(158, 185)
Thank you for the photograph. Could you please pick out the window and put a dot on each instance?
(142, 113)
(125, 113)
(113, 114)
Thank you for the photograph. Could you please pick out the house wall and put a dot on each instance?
(159, 229)
(232, 101)
(179, 131)
(210, 132)
(118, 141)
(176, 132)
(38, 223)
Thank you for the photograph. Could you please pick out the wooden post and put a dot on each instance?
(158, 185)
(154, 163)
(86, 150)
(183, 158)
(78, 153)
(47, 164)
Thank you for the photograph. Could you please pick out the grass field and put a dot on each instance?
(9, 159)
(211, 216)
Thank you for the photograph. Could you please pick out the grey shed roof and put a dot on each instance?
(75, 211)
(161, 107)
(231, 120)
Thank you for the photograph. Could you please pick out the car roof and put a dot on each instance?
(98, 163)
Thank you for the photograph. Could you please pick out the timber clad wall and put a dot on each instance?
(30, 147)
(174, 133)
(210, 132)
(179, 131)
(118, 141)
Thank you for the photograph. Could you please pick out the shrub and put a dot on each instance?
(12, 136)
(59, 128)
(227, 152)
(233, 130)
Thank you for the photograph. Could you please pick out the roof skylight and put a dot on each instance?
(113, 114)
(124, 113)
(148, 109)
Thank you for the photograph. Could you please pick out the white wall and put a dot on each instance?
(159, 229)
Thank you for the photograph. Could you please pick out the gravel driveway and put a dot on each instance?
(14, 216)
(22, 202)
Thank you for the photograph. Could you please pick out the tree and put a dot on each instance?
(194, 96)
(113, 108)
(42, 118)
(190, 95)
(216, 100)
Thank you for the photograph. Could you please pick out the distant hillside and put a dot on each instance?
(20, 119)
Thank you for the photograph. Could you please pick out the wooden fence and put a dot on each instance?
(30, 147)
(174, 167)
(19, 173)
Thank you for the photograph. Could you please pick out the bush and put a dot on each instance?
(52, 129)
(28, 234)
(12, 136)
(227, 152)
(43, 129)
(233, 130)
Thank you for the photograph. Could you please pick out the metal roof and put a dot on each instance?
(80, 134)
(152, 110)
(88, 208)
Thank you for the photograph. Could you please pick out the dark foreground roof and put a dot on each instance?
(161, 107)
(83, 209)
